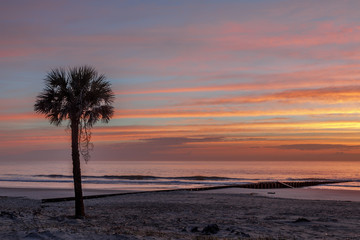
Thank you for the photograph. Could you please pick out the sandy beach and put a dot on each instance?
(216, 214)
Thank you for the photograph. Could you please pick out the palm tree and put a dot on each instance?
(83, 97)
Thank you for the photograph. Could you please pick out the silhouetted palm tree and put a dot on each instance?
(83, 97)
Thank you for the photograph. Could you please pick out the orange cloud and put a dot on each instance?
(315, 147)
(328, 95)
(259, 133)
(20, 116)
(171, 113)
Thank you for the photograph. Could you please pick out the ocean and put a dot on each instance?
(158, 175)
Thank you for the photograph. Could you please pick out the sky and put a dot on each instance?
(194, 80)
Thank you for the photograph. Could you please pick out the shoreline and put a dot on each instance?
(43, 193)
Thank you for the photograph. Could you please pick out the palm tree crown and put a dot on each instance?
(80, 94)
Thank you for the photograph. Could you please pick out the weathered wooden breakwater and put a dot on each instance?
(258, 185)
(277, 184)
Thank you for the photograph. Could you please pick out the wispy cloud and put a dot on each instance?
(216, 113)
(337, 76)
(327, 95)
(317, 147)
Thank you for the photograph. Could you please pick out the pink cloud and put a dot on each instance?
(20, 116)
(216, 112)
(327, 95)
(340, 75)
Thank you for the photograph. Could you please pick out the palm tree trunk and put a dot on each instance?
(79, 203)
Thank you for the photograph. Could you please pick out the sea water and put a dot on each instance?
(156, 175)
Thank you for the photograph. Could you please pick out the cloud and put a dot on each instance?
(218, 40)
(167, 148)
(337, 76)
(219, 113)
(26, 116)
(166, 143)
(327, 95)
(316, 147)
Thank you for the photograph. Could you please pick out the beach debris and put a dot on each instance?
(286, 184)
(238, 233)
(6, 214)
(230, 230)
(211, 229)
(58, 218)
(301, 220)
(271, 193)
(269, 218)
(194, 229)
(37, 212)
(242, 234)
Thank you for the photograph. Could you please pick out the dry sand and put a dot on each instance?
(181, 215)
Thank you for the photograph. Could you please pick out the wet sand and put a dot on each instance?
(215, 214)
(43, 193)
(296, 193)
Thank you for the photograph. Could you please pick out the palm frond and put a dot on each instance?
(103, 113)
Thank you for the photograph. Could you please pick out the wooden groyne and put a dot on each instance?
(277, 184)
(258, 185)
(269, 185)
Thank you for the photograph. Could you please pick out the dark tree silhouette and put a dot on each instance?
(83, 97)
